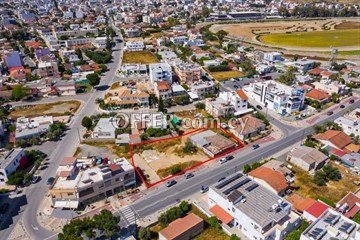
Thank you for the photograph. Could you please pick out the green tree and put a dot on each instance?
(214, 222)
(189, 147)
(106, 222)
(94, 79)
(246, 168)
(144, 233)
(87, 122)
(234, 237)
(221, 35)
(19, 92)
(161, 107)
(144, 136)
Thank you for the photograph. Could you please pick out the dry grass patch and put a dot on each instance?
(334, 191)
(175, 168)
(120, 151)
(225, 75)
(53, 109)
(348, 25)
(143, 57)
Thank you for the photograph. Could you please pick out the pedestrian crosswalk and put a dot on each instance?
(127, 216)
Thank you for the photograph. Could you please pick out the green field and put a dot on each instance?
(333, 38)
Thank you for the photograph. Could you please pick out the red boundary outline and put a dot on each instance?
(149, 185)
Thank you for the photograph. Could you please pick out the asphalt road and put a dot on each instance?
(66, 147)
(162, 197)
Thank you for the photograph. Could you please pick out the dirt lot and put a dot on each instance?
(348, 25)
(334, 190)
(53, 109)
(144, 57)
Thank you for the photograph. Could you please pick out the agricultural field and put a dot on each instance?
(52, 109)
(143, 57)
(332, 38)
(225, 75)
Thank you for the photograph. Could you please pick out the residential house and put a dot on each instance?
(247, 127)
(331, 87)
(330, 225)
(105, 128)
(9, 163)
(134, 69)
(65, 88)
(32, 127)
(178, 90)
(333, 139)
(185, 228)
(349, 205)
(304, 65)
(48, 69)
(307, 158)
(160, 72)
(318, 95)
(132, 31)
(228, 103)
(163, 90)
(202, 89)
(348, 126)
(273, 57)
(281, 98)
(314, 211)
(351, 160)
(12, 59)
(124, 97)
(179, 40)
(256, 211)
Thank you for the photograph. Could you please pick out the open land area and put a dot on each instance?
(225, 75)
(143, 57)
(53, 109)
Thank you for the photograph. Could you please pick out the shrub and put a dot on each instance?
(214, 222)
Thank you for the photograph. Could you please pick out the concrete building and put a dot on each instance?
(9, 162)
(273, 57)
(201, 89)
(134, 45)
(32, 127)
(76, 33)
(48, 69)
(79, 183)
(12, 59)
(307, 158)
(163, 89)
(257, 212)
(179, 40)
(277, 97)
(349, 126)
(188, 72)
(253, 127)
(105, 128)
(185, 228)
(228, 103)
(160, 72)
(332, 225)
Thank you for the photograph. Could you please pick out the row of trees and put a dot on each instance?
(314, 11)
(326, 174)
(100, 57)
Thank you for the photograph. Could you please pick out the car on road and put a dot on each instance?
(228, 158)
(342, 106)
(4, 208)
(204, 189)
(189, 175)
(35, 179)
(223, 160)
(259, 107)
(352, 101)
(329, 113)
(171, 183)
(221, 179)
(255, 146)
(50, 181)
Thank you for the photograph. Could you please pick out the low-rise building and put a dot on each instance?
(247, 127)
(124, 97)
(318, 95)
(307, 158)
(333, 139)
(105, 128)
(349, 205)
(32, 127)
(203, 89)
(348, 126)
(163, 90)
(185, 228)
(273, 57)
(134, 45)
(79, 183)
(257, 212)
(332, 225)
(179, 40)
(48, 69)
(228, 103)
(9, 162)
(132, 31)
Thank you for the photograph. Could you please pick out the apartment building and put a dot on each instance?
(201, 89)
(332, 225)
(78, 182)
(228, 103)
(257, 212)
(48, 69)
(179, 40)
(134, 45)
(163, 89)
(75, 33)
(276, 96)
(160, 72)
(132, 31)
(188, 72)
(76, 41)
(32, 127)
(9, 162)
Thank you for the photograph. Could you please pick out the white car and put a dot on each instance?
(223, 160)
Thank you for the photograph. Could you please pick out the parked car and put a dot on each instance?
(330, 113)
(255, 146)
(4, 208)
(189, 175)
(171, 183)
(35, 179)
(352, 101)
(228, 158)
(50, 181)
(342, 106)
(204, 189)
(259, 107)
(221, 179)
(223, 160)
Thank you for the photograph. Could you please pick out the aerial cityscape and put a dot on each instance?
(180, 119)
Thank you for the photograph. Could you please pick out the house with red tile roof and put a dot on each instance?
(270, 179)
(318, 95)
(185, 228)
(315, 211)
(349, 205)
(333, 139)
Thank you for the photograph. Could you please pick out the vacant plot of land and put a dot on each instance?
(115, 150)
(350, 53)
(52, 109)
(225, 75)
(144, 57)
(334, 190)
(348, 25)
(334, 38)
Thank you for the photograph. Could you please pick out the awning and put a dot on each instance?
(66, 204)
(244, 111)
(221, 214)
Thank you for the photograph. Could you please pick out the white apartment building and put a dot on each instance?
(348, 126)
(257, 212)
(9, 162)
(76, 33)
(79, 182)
(228, 103)
(160, 72)
(273, 57)
(99, 42)
(179, 40)
(201, 89)
(134, 45)
(332, 225)
(276, 96)
(330, 87)
(75, 41)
